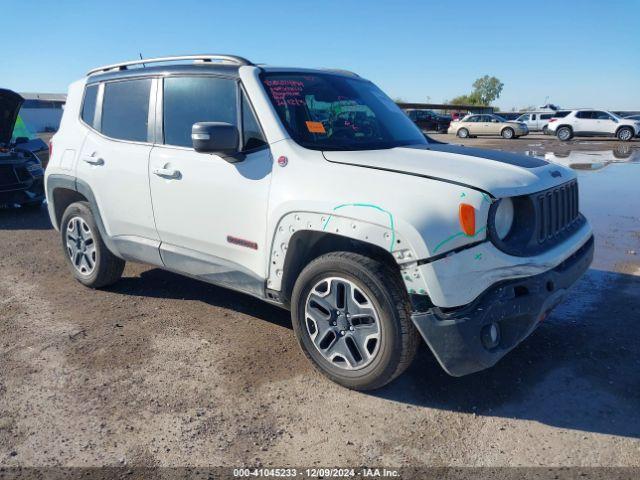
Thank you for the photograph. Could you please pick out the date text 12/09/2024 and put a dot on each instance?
(316, 472)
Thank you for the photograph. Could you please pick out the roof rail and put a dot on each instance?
(232, 59)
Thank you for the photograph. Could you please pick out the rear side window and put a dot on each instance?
(251, 133)
(89, 105)
(585, 114)
(125, 110)
(546, 116)
(188, 100)
(561, 114)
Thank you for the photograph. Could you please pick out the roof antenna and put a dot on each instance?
(143, 65)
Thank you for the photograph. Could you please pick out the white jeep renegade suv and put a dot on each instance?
(312, 190)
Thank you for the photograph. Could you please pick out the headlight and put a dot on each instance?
(503, 220)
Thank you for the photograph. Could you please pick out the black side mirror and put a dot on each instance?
(215, 137)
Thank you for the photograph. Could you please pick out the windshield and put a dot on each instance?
(499, 118)
(332, 112)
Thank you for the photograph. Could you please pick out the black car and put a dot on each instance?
(21, 172)
(429, 121)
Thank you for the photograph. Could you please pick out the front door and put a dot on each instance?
(604, 123)
(211, 212)
(488, 126)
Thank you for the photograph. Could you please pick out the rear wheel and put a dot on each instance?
(564, 134)
(88, 257)
(545, 130)
(624, 134)
(351, 315)
(463, 133)
(508, 133)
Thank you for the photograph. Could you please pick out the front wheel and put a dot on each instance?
(508, 133)
(463, 133)
(351, 315)
(625, 134)
(88, 257)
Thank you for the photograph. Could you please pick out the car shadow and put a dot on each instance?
(25, 219)
(158, 283)
(579, 370)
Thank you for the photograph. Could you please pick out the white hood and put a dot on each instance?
(502, 174)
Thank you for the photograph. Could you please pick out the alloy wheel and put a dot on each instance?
(343, 323)
(625, 134)
(81, 246)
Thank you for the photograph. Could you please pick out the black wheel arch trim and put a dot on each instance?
(68, 182)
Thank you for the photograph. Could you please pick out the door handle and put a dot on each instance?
(167, 173)
(91, 160)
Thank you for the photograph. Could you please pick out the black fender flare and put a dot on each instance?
(68, 182)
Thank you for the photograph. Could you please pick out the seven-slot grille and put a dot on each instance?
(558, 210)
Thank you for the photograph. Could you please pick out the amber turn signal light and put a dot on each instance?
(467, 215)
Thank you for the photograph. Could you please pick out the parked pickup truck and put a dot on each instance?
(310, 189)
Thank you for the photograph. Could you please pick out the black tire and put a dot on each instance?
(399, 339)
(564, 134)
(545, 130)
(508, 133)
(107, 267)
(625, 134)
(462, 133)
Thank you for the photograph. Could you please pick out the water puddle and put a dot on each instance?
(610, 198)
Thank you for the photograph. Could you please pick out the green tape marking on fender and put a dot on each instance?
(368, 205)
(459, 234)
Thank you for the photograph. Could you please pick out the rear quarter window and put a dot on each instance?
(89, 105)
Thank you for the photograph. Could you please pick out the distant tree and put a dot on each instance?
(487, 89)
(399, 100)
(465, 100)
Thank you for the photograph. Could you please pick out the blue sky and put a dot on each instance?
(576, 52)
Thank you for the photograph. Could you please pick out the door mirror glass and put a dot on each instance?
(215, 137)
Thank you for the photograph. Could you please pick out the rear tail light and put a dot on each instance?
(552, 120)
(50, 150)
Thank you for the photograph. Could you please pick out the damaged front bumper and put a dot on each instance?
(474, 337)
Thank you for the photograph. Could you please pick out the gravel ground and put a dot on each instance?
(161, 370)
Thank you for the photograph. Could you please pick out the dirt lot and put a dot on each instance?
(165, 371)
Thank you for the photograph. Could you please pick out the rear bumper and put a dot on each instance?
(515, 306)
(32, 192)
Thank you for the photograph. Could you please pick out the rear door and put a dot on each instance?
(585, 122)
(114, 157)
